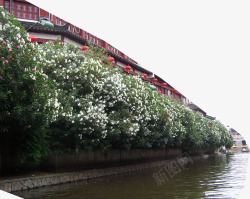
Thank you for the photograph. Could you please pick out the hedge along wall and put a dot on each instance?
(56, 98)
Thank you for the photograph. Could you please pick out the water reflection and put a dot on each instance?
(215, 177)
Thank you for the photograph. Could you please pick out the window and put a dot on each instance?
(35, 9)
(36, 17)
(50, 17)
(13, 8)
(30, 8)
(169, 93)
(30, 16)
(18, 6)
(24, 7)
(77, 30)
(87, 36)
(93, 40)
(6, 5)
(24, 15)
(18, 14)
(97, 41)
(90, 39)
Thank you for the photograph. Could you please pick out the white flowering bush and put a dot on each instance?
(76, 109)
(194, 131)
(97, 106)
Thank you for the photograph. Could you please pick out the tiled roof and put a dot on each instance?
(43, 29)
(162, 80)
(196, 108)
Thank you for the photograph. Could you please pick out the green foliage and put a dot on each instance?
(58, 97)
(23, 97)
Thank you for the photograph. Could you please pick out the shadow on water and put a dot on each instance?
(219, 176)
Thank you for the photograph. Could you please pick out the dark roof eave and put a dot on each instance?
(54, 31)
(210, 117)
(196, 108)
(135, 66)
(162, 81)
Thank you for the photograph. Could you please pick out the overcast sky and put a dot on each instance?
(200, 47)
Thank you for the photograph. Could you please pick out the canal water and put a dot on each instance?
(220, 176)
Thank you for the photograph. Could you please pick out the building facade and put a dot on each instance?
(238, 139)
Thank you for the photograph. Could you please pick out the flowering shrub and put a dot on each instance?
(23, 98)
(97, 106)
(92, 104)
(126, 112)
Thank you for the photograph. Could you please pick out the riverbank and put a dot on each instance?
(218, 176)
(31, 182)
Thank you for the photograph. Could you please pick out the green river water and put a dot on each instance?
(220, 176)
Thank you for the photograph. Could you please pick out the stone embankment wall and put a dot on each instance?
(18, 184)
(13, 185)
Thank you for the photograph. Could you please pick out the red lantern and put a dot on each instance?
(111, 59)
(174, 90)
(154, 80)
(128, 68)
(144, 75)
(164, 84)
(85, 48)
(33, 38)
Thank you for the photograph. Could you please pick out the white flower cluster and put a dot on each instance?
(113, 90)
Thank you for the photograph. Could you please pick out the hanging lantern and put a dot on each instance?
(174, 90)
(128, 68)
(111, 59)
(33, 38)
(85, 48)
(154, 80)
(144, 75)
(164, 84)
